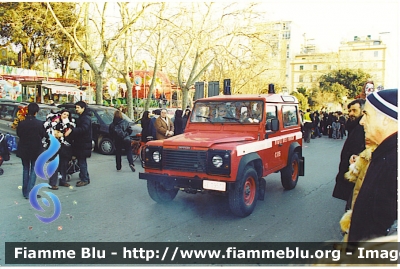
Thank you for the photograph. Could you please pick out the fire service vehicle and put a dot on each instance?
(231, 142)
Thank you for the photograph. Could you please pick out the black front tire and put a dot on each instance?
(243, 199)
(290, 174)
(159, 193)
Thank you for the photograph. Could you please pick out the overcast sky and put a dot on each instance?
(330, 21)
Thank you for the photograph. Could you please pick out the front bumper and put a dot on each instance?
(170, 182)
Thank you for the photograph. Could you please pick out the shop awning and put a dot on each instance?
(58, 89)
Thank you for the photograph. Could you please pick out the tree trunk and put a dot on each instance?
(99, 87)
(129, 98)
(185, 95)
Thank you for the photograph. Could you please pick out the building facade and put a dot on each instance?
(360, 53)
(275, 46)
(366, 54)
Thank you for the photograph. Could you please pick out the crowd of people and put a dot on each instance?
(367, 177)
(335, 125)
(158, 126)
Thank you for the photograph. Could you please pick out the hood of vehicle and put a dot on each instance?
(202, 139)
(136, 129)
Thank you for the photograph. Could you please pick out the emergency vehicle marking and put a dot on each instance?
(267, 143)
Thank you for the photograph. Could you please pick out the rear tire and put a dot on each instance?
(290, 174)
(159, 193)
(243, 199)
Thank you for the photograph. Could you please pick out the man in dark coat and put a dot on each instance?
(375, 208)
(30, 132)
(82, 141)
(355, 143)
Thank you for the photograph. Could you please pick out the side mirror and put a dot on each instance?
(274, 125)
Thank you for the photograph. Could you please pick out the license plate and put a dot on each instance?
(214, 185)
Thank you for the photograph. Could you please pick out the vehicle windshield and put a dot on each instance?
(107, 115)
(242, 112)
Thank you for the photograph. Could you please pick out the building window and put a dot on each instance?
(329, 67)
(300, 78)
(287, 55)
(301, 67)
(376, 53)
(315, 67)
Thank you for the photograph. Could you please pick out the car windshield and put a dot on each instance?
(107, 115)
(43, 112)
(242, 112)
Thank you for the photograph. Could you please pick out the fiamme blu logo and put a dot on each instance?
(45, 169)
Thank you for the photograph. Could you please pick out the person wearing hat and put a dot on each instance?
(375, 209)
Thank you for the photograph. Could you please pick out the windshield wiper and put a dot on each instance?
(232, 118)
(204, 117)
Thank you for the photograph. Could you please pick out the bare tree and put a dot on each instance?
(108, 37)
(206, 36)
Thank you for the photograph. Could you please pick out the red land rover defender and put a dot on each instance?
(230, 144)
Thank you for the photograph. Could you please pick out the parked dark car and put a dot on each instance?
(102, 116)
(8, 113)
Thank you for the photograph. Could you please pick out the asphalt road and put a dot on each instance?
(116, 207)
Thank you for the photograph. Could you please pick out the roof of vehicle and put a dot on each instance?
(269, 98)
(10, 103)
(5, 100)
(95, 106)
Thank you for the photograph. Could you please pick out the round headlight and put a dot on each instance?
(217, 161)
(156, 156)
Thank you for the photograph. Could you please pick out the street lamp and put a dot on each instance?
(74, 65)
(88, 69)
(137, 88)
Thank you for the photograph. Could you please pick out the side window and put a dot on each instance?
(93, 117)
(2, 112)
(7, 112)
(42, 114)
(271, 114)
(290, 117)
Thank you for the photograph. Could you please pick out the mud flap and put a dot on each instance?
(261, 192)
(301, 166)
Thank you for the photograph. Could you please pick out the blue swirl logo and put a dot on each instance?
(45, 172)
(45, 156)
(35, 204)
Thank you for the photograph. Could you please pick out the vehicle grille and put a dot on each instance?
(184, 160)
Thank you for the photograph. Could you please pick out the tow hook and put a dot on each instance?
(190, 190)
